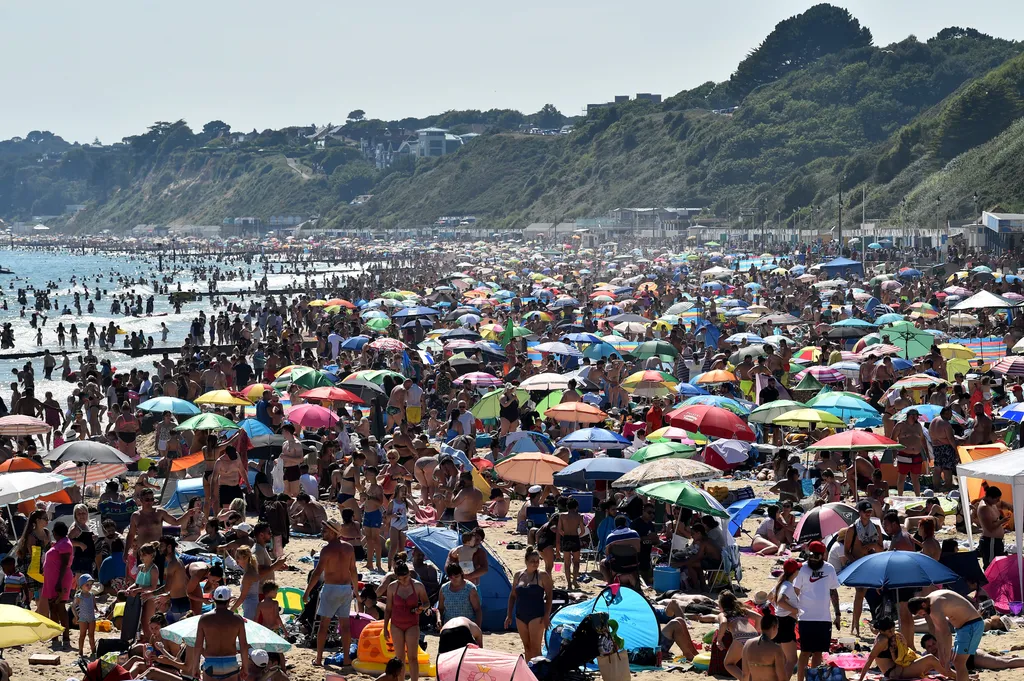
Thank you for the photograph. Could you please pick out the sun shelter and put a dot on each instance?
(478, 664)
(638, 625)
(843, 267)
(1006, 471)
(494, 588)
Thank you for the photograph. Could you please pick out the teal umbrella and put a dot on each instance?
(684, 494)
(654, 348)
(912, 341)
(843, 406)
(256, 635)
(767, 412)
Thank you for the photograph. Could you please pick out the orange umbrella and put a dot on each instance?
(717, 376)
(342, 302)
(576, 412)
(20, 463)
(530, 468)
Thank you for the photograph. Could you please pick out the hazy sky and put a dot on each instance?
(109, 68)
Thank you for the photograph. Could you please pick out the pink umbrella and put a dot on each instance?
(1004, 583)
(468, 664)
(879, 350)
(312, 416)
(17, 426)
(389, 344)
(482, 379)
(87, 474)
(822, 374)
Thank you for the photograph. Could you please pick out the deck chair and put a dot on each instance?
(722, 576)
(129, 629)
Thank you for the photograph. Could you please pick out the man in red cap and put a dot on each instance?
(817, 584)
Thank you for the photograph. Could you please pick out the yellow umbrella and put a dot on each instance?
(318, 303)
(19, 627)
(956, 351)
(223, 398)
(800, 418)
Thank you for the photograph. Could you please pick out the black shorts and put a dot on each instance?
(292, 473)
(787, 630)
(989, 549)
(815, 637)
(570, 543)
(229, 493)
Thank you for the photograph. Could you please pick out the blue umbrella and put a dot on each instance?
(600, 351)
(588, 470)
(744, 337)
(581, 338)
(175, 405)
(854, 322)
(889, 318)
(418, 311)
(740, 408)
(909, 273)
(896, 570)
(355, 343)
(423, 323)
(898, 363)
(690, 390)
(1013, 412)
(595, 438)
(876, 246)
(254, 428)
(740, 511)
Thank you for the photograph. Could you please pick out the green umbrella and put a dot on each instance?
(654, 348)
(684, 494)
(767, 412)
(664, 450)
(208, 422)
(304, 377)
(488, 407)
(378, 323)
(809, 382)
(552, 399)
(912, 341)
(375, 376)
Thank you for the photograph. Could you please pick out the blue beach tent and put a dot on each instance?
(638, 625)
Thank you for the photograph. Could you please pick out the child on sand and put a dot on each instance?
(394, 670)
(85, 606)
(268, 613)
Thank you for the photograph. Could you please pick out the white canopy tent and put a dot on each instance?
(1003, 469)
(986, 300)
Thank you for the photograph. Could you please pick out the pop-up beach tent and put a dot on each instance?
(477, 664)
(638, 625)
(1003, 470)
(494, 588)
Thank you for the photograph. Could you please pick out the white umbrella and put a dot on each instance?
(546, 382)
(26, 485)
(256, 635)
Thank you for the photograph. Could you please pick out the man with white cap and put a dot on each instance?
(337, 567)
(219, 635)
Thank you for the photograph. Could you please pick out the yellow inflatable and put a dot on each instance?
(702, 661)
(375, 650)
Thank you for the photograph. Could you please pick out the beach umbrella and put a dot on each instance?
(956, 351)
(739, 511)
(208, 422)
(736, 407)
(888, 318)
(17, 425)
(557, 348)
(595, 438)
(529, 468)
(717, 376)
(807, 418)
(364, 389)
(375, 376)
(175, 405)
(663, 450)
(672, 433)
(304, 377)
(184, 631)
(331, 394)
(25, 485)
(355, 343)
(482, 379)
(917, 382)
(727, 454)
(1007, 366)
(388, 345)
(766, 412)
(87, 451)
(824, 521)
(926, 413)
(583, 471)
(896, 570)
(545, 382)
(654, 348)
(749, 351)
(843, 406)
(1013, 412)
(809, 353)
(253, 393)
(378, 323)
(83, 474)
(912, 341)
(740, 338)
(822, 374)
(711, 421)
(854, 441)
(488, 407)
(223, 398)
(20, 463)
(667, 469)
(21, 627)
(576, 412)
(312, 416)
(689, 390)
(684, 494)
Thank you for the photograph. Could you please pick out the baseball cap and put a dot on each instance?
(816, 547)
(222, 594)
(791, 565)
(84, 579)
(244, 527)
(535, 489)
(864, 507)
(259, 657)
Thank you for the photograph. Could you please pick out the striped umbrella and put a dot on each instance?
(482, 379)
(85, 474)
(822, 374)
(1010, 366)
(17, 426)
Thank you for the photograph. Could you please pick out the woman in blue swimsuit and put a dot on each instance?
(531, 599)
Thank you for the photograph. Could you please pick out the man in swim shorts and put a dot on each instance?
(219, 635)
(943, 608)
(337, 567)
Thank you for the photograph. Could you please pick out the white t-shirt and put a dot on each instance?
(467, 420)
(814, 586)
(335, 341)
(787, 591)
(413, 396)
(310, 485)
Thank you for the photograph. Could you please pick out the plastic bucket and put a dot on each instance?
(666, 578)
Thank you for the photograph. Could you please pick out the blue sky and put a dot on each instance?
(109, 68)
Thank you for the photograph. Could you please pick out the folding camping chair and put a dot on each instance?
(722, 576)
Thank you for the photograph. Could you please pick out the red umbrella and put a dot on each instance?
(711, 421)
(854, 441)
(331, 394)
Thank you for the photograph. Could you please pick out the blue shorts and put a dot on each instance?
(373, 518)
(968, 637)
(335, 601)
(221, 667)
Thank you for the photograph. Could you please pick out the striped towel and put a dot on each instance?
(987, 349)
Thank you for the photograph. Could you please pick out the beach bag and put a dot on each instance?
(825, 672)
(645, 657)
(615, 667)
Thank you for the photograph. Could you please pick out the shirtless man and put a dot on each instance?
(175, 581)
(944, 448)
(228, 474)
(219, 635)
(147, 524)
(944, 609)
(977, 660)
(983, 432)
(774, 362)
(337, 567)
(470, 556)
(993, 524)
(468, 501)
(910, 459)
(762, 659)
(306, 515)
(197, 574)
(396, 404)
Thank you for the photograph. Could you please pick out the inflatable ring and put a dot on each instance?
(702, 661)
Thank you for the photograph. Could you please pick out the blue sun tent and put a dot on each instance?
(436, 543)
(843, 267)
(638, 625)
